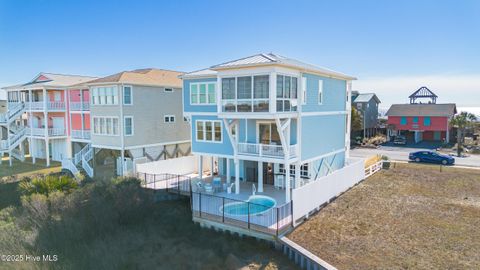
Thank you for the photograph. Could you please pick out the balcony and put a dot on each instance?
(258, 105)
(79, 106)
(81, 134)
(51, 106)
(51, 132)
(266, 150)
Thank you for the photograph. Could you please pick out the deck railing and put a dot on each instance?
(51, 105)
(79, 106)
(264, 219)
(265, 150)
(81, 134)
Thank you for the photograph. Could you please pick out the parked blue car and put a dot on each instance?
(431, 157)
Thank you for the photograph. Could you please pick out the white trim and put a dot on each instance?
(124, 125)
(258, 115)
(92, 125)
(169, 116)
(323, 156)
(205, 131)
(323, 113)
(320, 92)
(189, 114)
(304, 90)
(131, 95)
(207, 83)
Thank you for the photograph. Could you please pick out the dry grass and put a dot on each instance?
(408, 217)
(20, 169)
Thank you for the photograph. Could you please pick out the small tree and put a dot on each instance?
(356, 121)
(47, 184)
(461, 122)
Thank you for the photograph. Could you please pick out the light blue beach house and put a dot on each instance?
(275, 132)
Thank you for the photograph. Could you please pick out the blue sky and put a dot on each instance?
(393, 47)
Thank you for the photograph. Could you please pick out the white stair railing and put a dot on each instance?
(77, 158)
(68, 165)
(85, 159)
(14, 110)
(16, 153)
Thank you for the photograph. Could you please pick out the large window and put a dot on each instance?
(403, 120)
(128, 127)
(105, 95)
(245, 94)
(209, 131)
(127, 95)
(426, 121)
(105, 126)
(287, 87)
(202, 93)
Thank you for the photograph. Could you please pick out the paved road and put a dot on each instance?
(401, 153)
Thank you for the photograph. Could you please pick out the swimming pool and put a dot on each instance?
(256, 204)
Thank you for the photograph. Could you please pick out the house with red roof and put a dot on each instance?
(419, 121)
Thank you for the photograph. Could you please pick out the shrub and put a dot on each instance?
(47, 184)
(386, 162)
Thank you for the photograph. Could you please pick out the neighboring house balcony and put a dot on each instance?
(50, 106)
(50, 132)
(79, 106)
(81, 134)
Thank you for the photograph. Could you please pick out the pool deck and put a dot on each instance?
(277, 194)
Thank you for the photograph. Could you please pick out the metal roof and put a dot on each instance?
(200, 73)
(270, 58)
(448, 109)
(366, 98)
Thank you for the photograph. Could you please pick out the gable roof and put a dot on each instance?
(365, 97)
(448, 109)
(146, 76)
(275, 59)
(200, 73)
(52, 80)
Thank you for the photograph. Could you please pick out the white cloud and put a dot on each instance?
(464, 90)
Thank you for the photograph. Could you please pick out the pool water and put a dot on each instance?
(255, 205)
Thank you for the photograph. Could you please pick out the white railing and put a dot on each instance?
(13, 110)
(246, 105)
(18, 154)
(51, 105)
(51, 132)
(56, 105)
(68, 165)
(36, 131)
(35, 105)
(77, 158)
(81, 134)
(266, 150)
(14, 139)
(370, 170)
(56, 132)
(88, 169)
(79, 106)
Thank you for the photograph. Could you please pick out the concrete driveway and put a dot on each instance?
(401, 153)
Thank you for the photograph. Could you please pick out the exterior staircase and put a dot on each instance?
(15, 110)
(14, 140)
(80, 161)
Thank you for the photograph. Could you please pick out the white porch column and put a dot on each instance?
(228, 171)
(45, 124)
(237, 176)
(287, 181)
(122, 163)
(297, 175)
(260, 176)
(200, 167)
(8, 140)
(33, 152)
(47, 151)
